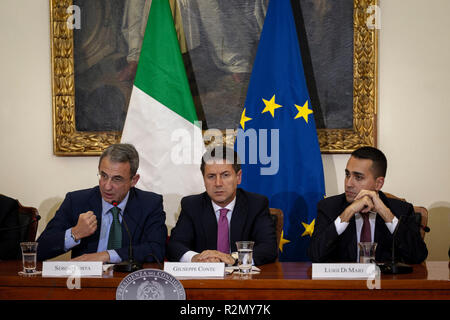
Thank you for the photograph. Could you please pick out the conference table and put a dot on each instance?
(276, 281)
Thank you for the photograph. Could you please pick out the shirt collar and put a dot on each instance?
(106, 206)
(372, 215)
(229, 206)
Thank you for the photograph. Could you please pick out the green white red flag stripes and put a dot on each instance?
(161, 120)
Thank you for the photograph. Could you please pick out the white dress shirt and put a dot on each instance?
(106, 222)
(342, 225)
(187, 257)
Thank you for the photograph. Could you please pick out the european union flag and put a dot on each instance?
(277, 139)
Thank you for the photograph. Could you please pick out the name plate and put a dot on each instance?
(344, 270)
(71, 268)
(195, 269)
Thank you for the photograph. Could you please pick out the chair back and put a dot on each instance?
(277, 218)
(28, 219)
(422, 219)
(421, 215)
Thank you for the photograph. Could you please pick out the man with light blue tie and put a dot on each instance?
(93, 223)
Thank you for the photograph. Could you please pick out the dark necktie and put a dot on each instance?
(366, 235)
(115, 232)
(223, 243)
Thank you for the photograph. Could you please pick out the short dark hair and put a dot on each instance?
(379, 162)
(122, 152)
(221, 152)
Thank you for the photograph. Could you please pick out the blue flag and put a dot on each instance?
(277, 139)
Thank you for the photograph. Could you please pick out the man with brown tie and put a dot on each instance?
(364, 214)
(210, 223)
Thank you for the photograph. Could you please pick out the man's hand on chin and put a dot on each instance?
(98, 256)
(378, 205)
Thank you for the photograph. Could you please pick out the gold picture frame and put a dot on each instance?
(67, 141)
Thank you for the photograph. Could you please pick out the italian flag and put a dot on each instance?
(161, 120)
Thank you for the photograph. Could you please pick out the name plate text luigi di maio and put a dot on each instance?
(343, 270)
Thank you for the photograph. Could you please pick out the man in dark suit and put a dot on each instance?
(92, 222)
(364, 213)
(9, 228)
(222, 214)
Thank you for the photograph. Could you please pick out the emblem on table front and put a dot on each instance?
(150, 284)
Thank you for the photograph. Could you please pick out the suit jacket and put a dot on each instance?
(327, 246)
(9, 218)
(143, 214)
(196, 228)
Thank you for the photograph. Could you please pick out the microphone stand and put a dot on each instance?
(131, 265)
(393, 267)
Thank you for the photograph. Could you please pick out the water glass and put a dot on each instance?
(367, 252)
(29, 250)
(245, 255)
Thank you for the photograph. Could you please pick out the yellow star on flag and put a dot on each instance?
(309, 228)
(283, 241)
(303, 111)
(244, 119)
(271, 106)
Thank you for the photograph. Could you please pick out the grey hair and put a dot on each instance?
(122, 152)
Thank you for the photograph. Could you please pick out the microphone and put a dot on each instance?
(156, 259)
(131, 265)
(34, 220)
(393, 267)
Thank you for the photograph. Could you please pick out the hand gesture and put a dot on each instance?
(361, 204)
(378, 205)
(86, 225)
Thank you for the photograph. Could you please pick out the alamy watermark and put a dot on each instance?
(74, 19)
(373, 21)
(74, 279)
(373, 280)
(260, 146)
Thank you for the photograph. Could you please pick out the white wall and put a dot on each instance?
(414, 109)
(413, 123)
(29, 171)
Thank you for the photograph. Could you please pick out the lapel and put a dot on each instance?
(238, 219)
(379, 228)
(95, 204)
(131, 215)
(209, 222)
(381, 231)
(353, 246)
(349, 239)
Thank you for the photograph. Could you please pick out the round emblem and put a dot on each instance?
(150, 284)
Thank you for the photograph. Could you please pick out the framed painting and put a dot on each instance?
(94, 53)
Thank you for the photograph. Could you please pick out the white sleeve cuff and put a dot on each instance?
(340, 225)
(187, 257)
(392, 225)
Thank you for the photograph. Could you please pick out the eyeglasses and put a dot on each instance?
(117, 180)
